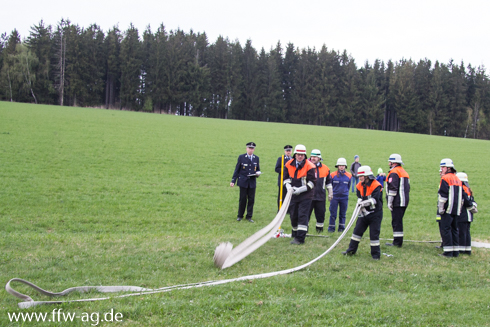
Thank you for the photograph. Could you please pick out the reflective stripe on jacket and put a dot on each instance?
(323, 178)
(451, 192)
(371, 190)
(301, 176)
(398, 185)
(341, 183)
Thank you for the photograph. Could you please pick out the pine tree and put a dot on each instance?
(59, 60)
(219, 78)
(157, 72)
(236, 82)
(390, 121)
(41, 43)
(438, 100)
(75, 62)
(326, 82)
(249, 88)
(112, 49)
(290, 67)
(275, 98)
(198, 78)
(422, 81)
(371, 99)
(131, 64)
(457, 111)
(93, 70)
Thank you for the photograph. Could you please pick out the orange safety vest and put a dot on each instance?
(302, 172)
(399, 171)
(324, 171)
(451, 180)
(467, 190)
(369, 189)
(346, 173)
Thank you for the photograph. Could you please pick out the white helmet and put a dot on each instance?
(341, 162)
(395, 158)
(462, 177)
(447, 163)
(365, 171)
(316, 153)
(300, 149)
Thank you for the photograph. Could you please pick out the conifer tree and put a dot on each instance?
(249, 88)
(40, 42)
(112, 48)
(131, 64)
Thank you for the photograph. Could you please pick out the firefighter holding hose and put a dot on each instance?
(300, 176)
(370, 194)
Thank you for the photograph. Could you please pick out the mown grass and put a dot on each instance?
(102, 197)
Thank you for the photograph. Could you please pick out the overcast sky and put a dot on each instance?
(368, 30)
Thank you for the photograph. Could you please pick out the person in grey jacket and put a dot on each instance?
(353, 170)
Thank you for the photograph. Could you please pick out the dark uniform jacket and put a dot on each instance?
(244, 168)
(303, 175)
(371, 190)
(398, 185)
(468, 200)
(278, 169)
(323, 178)
(451, 192)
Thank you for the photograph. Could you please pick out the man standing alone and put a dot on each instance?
(398, 189)
(246, 171)
(353, 170)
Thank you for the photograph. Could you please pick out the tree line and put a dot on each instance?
(182, 73)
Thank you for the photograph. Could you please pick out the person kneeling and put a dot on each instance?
(370, 194)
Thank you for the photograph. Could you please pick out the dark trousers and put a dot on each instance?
(284, 191)
(319, 207)
(397, 224)
(464, 236)
(449, 235)
(373, 221)
(299, 213)
(247, 194)
(340, 203)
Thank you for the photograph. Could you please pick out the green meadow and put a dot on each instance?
(104, 197)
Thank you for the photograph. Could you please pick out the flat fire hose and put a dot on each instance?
(138, 291)
(225, 257)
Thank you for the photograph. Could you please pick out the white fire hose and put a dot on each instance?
(233, 256)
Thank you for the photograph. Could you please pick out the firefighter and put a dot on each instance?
(449, 206)
(341, 180)
(370, 194)
(466, 216)
(397, 194)
(246, 171)
(323, 181)
(300, 176)
(287, 156)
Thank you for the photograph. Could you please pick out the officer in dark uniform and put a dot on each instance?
(246, 171)
(287, 157)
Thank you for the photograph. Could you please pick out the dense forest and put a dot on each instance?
(175, 72)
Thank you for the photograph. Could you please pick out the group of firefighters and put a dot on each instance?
(312, 183)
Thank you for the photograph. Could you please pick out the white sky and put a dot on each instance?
(434, 29)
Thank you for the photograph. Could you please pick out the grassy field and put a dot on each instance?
(103, 197)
